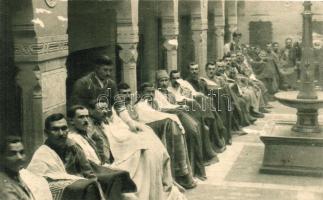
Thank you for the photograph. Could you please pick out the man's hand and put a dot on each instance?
(184, 107)
(134, 127)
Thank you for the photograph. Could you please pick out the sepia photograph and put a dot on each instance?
(161, 100)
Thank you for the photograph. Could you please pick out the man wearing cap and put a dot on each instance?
(234, 45)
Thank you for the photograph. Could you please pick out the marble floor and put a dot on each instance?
(237, 177)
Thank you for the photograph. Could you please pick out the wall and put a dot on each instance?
(90, 31)
(285, 16)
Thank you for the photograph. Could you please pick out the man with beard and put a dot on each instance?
(69, 172)
(16, 182)
(207, 96)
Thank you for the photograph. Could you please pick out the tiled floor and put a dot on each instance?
(236, 177)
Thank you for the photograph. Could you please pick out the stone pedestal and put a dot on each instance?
(291, 153)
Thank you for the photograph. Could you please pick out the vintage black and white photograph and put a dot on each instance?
(161, 100)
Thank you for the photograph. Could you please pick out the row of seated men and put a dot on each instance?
(117, 145)
(279, 66)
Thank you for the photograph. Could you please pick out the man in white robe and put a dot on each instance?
(140, 153)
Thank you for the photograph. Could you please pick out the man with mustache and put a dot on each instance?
(98, 86)
(239, 117)
(221, 130)
(70, 174)
(168, 128)
(128, 142)
(16, 182)
(192, 115)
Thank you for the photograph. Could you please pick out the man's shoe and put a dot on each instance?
(252, 119)
(239, 132)
(229, 141)
(264, 110)
(268, 106)
(201, 177)
(188, 186)
(221, 149)
(180, 188)
(256, 114)
(211, 161)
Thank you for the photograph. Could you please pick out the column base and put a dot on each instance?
(290, 153)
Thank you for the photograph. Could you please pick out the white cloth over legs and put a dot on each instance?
(143, 155)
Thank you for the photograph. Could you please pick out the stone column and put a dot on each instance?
(219, 41)
(219, 23)
(199, 36)
(169, 12)
(232, 13)
(41, 47)
(170, 34)
(199, 28)
(127, 39)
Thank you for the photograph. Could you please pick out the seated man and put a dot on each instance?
(251, 96)
(140, 153)
(221, 130)
(69, 173)
(264, 71)
(17, 183)
(222, 89)
(249, 80)
(204, 115)
(167, 127)
(190, 113)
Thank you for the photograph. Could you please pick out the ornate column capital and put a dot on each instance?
(219, 31)
(128, 53)
(233, 28)
(170, 43)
